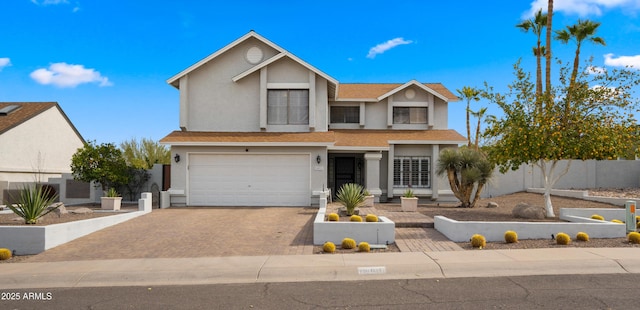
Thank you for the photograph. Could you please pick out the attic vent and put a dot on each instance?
(8, 109)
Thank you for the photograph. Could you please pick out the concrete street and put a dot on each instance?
(605, 291)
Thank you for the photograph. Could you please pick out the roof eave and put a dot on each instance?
(174, 79)
(416, 83)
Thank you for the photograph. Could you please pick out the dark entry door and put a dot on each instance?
(345, 171)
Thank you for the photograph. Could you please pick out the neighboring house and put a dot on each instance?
(261, 127)
(37, 141)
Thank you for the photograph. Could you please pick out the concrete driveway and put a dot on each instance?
(196, 232)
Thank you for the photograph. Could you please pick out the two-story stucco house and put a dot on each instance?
(261, 127)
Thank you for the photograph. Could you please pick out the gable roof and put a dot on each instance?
(252, 34)
(335, 140)
(27, 111)
(376, 91)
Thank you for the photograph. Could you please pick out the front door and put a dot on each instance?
(345, 168)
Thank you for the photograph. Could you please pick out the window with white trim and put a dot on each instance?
(409, 115)
(345, 115)
(288, 106)
(412, 171)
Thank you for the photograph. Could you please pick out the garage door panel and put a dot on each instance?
(249, 180)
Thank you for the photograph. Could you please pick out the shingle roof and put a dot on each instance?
(26, 111)
(247, 137)
(337, 138)
(370, 91)
(381, 138)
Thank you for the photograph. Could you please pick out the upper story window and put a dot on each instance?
(345, 115)
(409, 115)
(288, 106)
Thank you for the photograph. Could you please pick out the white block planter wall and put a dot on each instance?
(381, 232)
(494, 231)
(28, 240)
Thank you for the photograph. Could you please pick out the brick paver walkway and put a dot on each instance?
(215, 232)
(196, 232)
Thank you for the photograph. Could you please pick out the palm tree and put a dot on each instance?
(467, 170)
(548, 47)
(583, 30)
(479, 115)
(536, 25)
(469, 93)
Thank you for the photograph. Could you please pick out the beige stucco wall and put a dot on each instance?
(44, 143)
(215, 102)
(212, 101)
(318, 172)
(441, 114)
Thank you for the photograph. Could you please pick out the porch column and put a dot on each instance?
(372, 181)
(435, 181)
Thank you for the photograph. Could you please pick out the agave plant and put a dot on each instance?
(351, 196)
(33, 202)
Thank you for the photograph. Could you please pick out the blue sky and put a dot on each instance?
(106, 62)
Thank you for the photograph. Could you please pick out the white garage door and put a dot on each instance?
(249, 180)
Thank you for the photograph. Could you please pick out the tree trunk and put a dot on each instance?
(454, 184)
(548, 47)
(477, 196)
(550, 180)
(468, 124)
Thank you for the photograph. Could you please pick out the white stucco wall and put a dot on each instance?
(45, 143)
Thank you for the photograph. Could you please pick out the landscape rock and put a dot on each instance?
(60, 210)
(492, 204)
(526, 211)
(81, 211)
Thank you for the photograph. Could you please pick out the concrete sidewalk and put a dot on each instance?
(325, 267)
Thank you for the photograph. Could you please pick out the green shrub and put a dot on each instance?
(329, 247)
(348, 243)
(634, 237)
(112, 193)
(597, 217)
(364, 247)
(371, 218)
(563, 239)
(32, 203)
(408, 193)
(333, 217)
(510, 236)
(5, 254)
(617, 221)
(355, 218)
(582, 236)
(478, 241)
(350, 195)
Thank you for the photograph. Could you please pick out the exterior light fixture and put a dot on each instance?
(318, 159)
(177, 158)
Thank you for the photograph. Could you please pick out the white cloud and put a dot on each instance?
(4, 62)
(48, 2)
(596, 70)
(622, 61)
(383, 47)
(66, 75)
(581, 8)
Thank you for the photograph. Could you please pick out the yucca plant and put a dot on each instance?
(351, 196)
(33, 202)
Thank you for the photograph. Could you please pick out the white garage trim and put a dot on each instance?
(248, 179)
